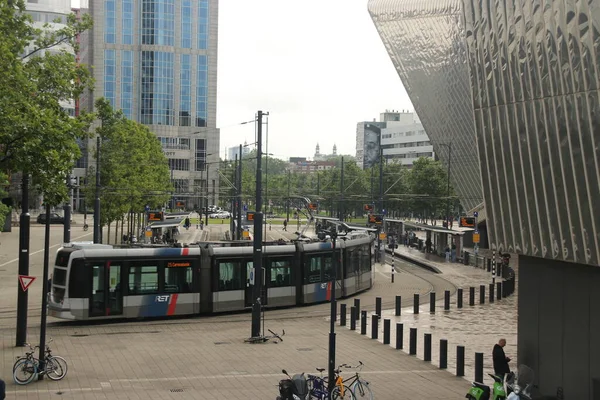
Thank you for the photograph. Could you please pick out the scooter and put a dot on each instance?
(293, 388)
(521, 385)
(480, 391)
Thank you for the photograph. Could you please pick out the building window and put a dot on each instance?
(179, 164)
(158, 22)
(201, 90)
(127, 17)
(185, 95)
(200, 154)
(110, 22)
(181, 185)
(157, 88)
(127, 82)
(203, 24)
(109, 76)
(186, 24)
(174, 143)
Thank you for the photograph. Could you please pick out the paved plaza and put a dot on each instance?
(206, 357)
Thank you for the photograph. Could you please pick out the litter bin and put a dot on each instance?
(420, 244)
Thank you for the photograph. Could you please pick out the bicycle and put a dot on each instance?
(26, 368)
(317, 386)
(85, 227)
(359, 386)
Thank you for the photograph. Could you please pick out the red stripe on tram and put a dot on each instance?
(172, 304)
(185, 251)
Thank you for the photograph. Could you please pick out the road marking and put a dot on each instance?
(39, 251)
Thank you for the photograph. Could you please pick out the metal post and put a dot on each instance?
(498, 290)
(399, 336)
(374, 326)
(478, 367)
(427, 347)
(432, 302)
(492, 292)
(386, 331)
(341, 215)
(363, 323)
(378, 306)
(471, 296)
(493, 266)
(234, 202)
(45, 289)
(207, 180)
(413, 342)
(67, 213)
(357, 306)
(449, 226)
(343, 315)
(398, 305)
(481, 294)
(97, 226)
(394, 245)
(352, 318)
(443, 353)
(239, 197)
(24, 228)
(380, 211)
(459, 298)
(287, 203)
(416, 303)
(460, 360)
(257, 259)
(333, 235)
(446, 300)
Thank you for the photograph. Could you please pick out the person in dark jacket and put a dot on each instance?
(500, 360)
(2, 390)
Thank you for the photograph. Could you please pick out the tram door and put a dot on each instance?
(107, 294)
(248, 300)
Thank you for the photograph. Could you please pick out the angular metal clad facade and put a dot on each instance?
(426, 42)
(534, 78)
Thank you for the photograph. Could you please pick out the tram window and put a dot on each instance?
(312, 269)
(178, 277)
(280, 273)
(62, 258)
(143, 279)
(352, 262)
(365, 259)
(327, 269)
(59, 276)
(230, 276)
(79, 279)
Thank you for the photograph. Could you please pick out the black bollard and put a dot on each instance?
(386, 331)
(460, 360)
(412, 339)
(492, 293)
(471, 296)
(489, 265)
(498, 290)
(399, 336)
(432, 302)
(363, 322)
(374, 326)
(342, 314)
(378, 306)
(427, 348)
(398, 305)
(443, 354)
(459, 298)
(357, 306)
(478, 367)
(416, 303)
(446, 300)
(352, 318)
(481, 294)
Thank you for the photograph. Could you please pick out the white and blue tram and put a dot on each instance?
(94, 281)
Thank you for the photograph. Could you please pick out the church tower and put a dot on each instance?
(317, 152)
(334, 150)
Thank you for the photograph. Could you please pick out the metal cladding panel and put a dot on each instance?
(426, 43)
(534, 76)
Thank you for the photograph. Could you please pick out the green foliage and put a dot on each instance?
(4, 209)
(37, 136)
(134, 171)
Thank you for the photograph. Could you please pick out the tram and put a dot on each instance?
(95, 281)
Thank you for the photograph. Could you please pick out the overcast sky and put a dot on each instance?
(317, 66)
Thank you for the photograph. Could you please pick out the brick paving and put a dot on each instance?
(206, 357)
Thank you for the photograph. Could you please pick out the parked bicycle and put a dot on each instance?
(359, 386)
(318, 387)
(27, 367)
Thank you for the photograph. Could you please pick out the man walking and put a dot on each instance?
(500, 360)
(285, 225)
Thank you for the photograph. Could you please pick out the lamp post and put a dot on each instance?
(331, 371)
(448, 222)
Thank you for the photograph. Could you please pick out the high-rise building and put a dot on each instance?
(232, 152)
(156, 60)
(518, 82)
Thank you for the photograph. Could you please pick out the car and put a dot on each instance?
(54, 218)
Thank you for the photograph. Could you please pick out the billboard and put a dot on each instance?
(371, 145)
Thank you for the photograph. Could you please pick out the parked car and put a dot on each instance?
(54, 218)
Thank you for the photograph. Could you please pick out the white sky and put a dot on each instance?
(317, 66)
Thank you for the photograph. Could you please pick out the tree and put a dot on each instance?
(427, 182)
(134, 171)
(37, 136)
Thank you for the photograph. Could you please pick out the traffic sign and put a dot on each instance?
(475, 237)
(475, 214)
(26, 281)
(382, 236)
(251, 278)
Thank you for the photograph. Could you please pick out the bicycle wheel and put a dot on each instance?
(362, 390)
(24, 372)
(18, 361)
(56, 367)
(336, 394)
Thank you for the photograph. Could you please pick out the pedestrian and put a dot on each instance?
(201, 224)
(2, 390)
(453, 252)
(500, 360)
(447, 254)
(187, 223)
(285, 225)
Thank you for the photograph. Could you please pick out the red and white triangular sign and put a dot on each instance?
(26, 281)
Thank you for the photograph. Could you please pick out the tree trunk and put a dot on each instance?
(108, 234)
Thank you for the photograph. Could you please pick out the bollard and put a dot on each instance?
(447, 300)
(491, 293)
(478, 367)
(432, 302)
(460, 360)
(378, 306)
(357, 306)
(386, 331)
(352, 318)
(443, 354)
(498, 290)
(459, 298)
(374, 326)
(471, 296)
(399, 336)
(398, 305)
(481, 294)
(489, 265)
(412, 342)
(342, 314)
(363, 323)
(416, 303)
(427, 348)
